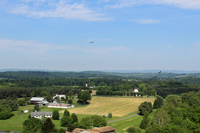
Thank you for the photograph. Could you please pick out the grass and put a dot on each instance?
(117, 106)
(123, 125)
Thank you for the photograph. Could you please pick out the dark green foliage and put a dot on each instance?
(70, 101)
(154, 128)
(70, 93)
(145, 121)
(109, 115)
(10, 103)
(66, 120)
(21, 102)
(66, 113)
(86, 122)
(55, 115)
(158, 103)
(145, 106)
(36, 107)
(32, 125)
(74, 117)
(104, 116)
(76, 125)
(5, 112)
(48, 126)
(61, 130)
(98, 121)
(70, 128)
(134, 130)
(84, 96)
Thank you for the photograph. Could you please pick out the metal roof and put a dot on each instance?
(40, 113)
(37, 99)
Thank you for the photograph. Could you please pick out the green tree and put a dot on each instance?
(70, 93)
(86, 122)
(48, 126)
(66, 113)
(98, 121)
(32, 125)
(70, 128)
(84, 96)
(109, 115)
(70, 101)
(55, 115)
(154, 128)
(21, 102)
(74, 117)
(36, 107)
(145, 121)
(66, 120)
(145, 106)
(158, 103)
(161, 118)
(134, 130)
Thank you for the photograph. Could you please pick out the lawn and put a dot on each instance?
(117, 106)
(123, 125)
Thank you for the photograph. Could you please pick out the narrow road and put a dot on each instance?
(122, 118)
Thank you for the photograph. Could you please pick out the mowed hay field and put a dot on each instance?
(117, 106)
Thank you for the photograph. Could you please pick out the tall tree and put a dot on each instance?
(158, 103)
(74, 117)
(55, 115)
(48, 126)
(66, 113)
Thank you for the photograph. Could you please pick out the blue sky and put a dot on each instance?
(127, 34)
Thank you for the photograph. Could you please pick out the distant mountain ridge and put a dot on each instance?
(108, 71)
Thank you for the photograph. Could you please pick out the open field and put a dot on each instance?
(117, 106)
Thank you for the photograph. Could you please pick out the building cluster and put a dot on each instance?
(60, 105)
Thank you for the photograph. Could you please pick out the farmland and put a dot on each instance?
(117, 106)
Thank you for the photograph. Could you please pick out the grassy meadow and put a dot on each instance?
(117, 106)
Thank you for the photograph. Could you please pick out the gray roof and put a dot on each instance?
(37, 99)
(40, 113)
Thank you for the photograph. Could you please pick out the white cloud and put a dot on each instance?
(31, 59)
(61, 9)
(42, 58)
(146, 21)
(185, 4)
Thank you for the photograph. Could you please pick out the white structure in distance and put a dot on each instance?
(60, 96)
(60, 105)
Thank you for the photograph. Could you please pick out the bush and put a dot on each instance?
(104, 116)
(70, 128)
(61, 130)
(65, 121)
(109, 115)
(21, 102)
(98, 121)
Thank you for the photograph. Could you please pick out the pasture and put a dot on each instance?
(117, 106)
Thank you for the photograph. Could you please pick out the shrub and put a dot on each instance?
(109, 115)
(70, 101)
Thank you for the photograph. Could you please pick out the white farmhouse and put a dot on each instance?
(136, 90)
(39, 115)
(60, 96)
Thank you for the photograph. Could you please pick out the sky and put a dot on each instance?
(126, 34)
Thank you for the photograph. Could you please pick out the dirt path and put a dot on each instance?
(122, 119)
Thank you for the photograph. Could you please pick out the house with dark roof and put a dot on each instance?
(39, 115)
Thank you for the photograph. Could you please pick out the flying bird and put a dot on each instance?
(159, 72)
(92, 42)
